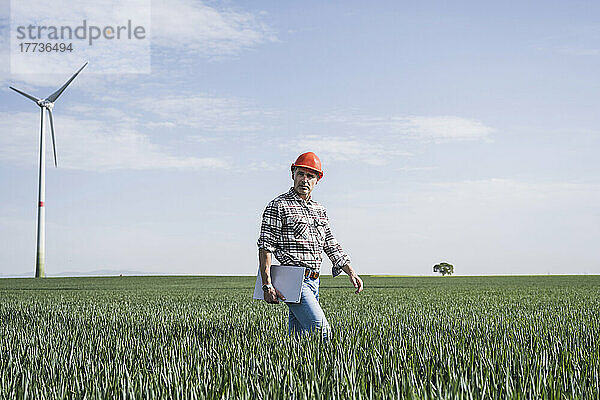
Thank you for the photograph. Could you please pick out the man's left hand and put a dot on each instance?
(356, 282)
(354, 278)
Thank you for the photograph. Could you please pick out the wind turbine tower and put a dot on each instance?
(45, 105)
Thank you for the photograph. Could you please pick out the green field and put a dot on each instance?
(203, 337)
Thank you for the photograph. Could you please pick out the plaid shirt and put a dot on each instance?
(297, 232)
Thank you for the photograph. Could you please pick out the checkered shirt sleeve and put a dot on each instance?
(270, 229)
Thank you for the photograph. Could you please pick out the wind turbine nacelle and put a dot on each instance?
(46, 104)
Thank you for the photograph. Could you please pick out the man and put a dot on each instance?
(295, 228)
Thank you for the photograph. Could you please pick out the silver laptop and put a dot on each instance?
(286, 279)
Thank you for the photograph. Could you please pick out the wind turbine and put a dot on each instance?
(45, 104)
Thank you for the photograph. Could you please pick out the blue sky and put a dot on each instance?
(463, 132)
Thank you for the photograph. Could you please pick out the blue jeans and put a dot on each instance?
(308, 315)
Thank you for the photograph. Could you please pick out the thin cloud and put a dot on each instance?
(206, 31)
(430, 128)
(580, 52)
(442, 128)
(205, 112)
(110, 113)
(338, 148)
(506, 192)
(93, 145)
(489, 194)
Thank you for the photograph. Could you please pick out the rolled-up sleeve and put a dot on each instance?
(270, 229)
(335, 253)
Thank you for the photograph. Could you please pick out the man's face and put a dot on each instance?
(304, 181)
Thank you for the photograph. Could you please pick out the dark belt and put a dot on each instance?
(309, 273)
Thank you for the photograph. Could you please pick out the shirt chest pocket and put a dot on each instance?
(298, 227)
(307, 228)
(321, 227)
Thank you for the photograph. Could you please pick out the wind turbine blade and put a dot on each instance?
(52, 130)
(25, 94)
(52, 98)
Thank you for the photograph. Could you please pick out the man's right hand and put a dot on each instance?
(273, 295)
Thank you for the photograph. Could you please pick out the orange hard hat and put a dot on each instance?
(311, 161)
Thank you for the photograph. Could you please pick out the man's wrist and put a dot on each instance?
(267, 286)
(348, 269)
